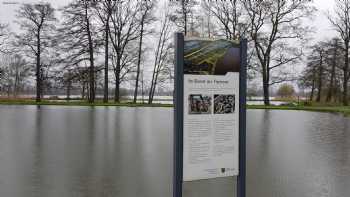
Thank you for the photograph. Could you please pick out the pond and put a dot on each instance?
(127, 152)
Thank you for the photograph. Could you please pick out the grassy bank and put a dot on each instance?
(317, 108)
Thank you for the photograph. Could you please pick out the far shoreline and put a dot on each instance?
(345, 110)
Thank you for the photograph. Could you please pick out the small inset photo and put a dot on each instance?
(224, 103)
(199, 104)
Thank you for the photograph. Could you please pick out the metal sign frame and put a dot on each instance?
(178, 117)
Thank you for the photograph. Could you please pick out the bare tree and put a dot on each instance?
(20, 73)
(274, 24)
(308, 79)
(15, 73)
(184, 11)
(6, 79)
(341, 22)
(146, 18)
(80, 38)
(161, 69)
(126, 67)
(206, 20)
(124, 30)
(87, 20)
(4, 36)
(322, 72)
(334, 51)
(104, 11)
(36, 20)
(230, 17)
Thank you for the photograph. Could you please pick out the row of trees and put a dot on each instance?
(277, 36)
(324, 73)
(327, 71)
(70, 51)
(96, 44)
(274, 29)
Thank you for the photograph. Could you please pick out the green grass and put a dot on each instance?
(79, 103)
(317, 107)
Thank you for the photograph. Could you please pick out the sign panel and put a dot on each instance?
(209, 113)
(210, 109)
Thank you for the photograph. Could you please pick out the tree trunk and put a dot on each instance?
(8, 90)
(152, 85)
(312, 90)
(139, 61)
(331, 85)
(346, 74)
(266, 93)
(83, 91)
(105, 92)
(155, 83)
(38, 69)
(116, 91)
(142, 89)
(320, 75)
(117, 81)
(208, 25)
(91, 54)
(266, 86)
(313, 84)
(15, 88)
(185, 16)
(69, 85)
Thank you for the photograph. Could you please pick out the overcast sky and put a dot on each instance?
(320, 22)
(323, 29)
(8, 8)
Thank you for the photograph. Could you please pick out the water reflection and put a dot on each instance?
(306, 154)
(127, 152)
(55, 151)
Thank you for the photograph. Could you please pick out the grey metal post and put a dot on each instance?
(241, 180)
(178, 115)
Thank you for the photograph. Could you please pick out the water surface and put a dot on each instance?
(127, 152)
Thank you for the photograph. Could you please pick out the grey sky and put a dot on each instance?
(323, 29)
(321, 22)
(8, 7)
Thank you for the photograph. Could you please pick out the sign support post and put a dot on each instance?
(210, 106)
(241, 179)
(178, 115)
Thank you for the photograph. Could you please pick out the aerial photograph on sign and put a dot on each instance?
(211, 57)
